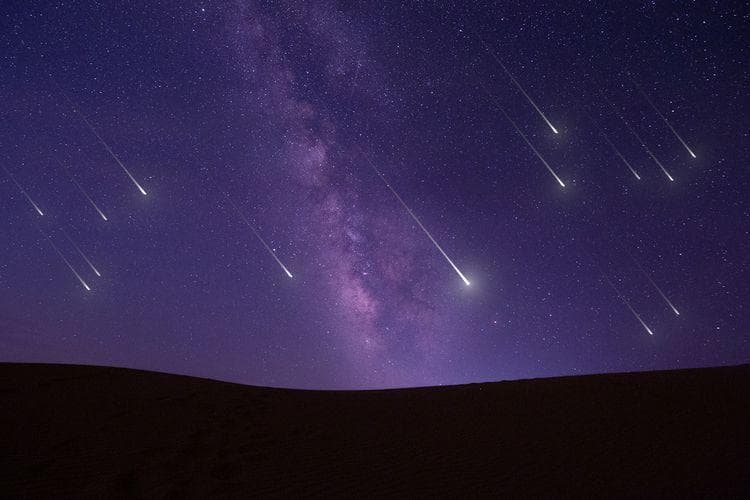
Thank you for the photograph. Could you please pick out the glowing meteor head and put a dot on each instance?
(554, 129)
(142, 191)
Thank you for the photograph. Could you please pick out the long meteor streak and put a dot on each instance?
(643, 144)
(83, 191)
(419, 223)
(523, 136)
(624, 300)
(664, 119)
(611, 145)
(102, 142)
(257, 235)
(36, 207)
(67, 263)
(96, 271)
(518, 85)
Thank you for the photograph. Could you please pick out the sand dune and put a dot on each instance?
(94, 431)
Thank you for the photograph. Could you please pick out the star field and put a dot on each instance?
(257, 131)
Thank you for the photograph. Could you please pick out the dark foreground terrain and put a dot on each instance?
(93, 431)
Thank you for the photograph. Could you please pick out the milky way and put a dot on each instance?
(285, 107)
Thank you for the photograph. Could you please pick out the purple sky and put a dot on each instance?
(286, 107)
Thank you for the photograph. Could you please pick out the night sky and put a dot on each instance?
(247, 120)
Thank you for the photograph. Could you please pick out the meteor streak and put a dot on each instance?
(664, 119)
(81, 252)
(101, 141)
(624, 300)
(36, 207)
(257, 235)
(67, 263)
(611, 145)
(643, 144)
(518, 85)
(658, 289)
(419, 223)
(557, 178)
(83, 192)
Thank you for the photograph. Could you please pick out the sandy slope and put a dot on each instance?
(76, 430)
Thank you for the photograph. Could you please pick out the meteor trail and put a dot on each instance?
(419, 223)
(81, 252)
(658, 289)
(518, 85)
(557, 178)
(36, 207)
(632, 131)
(611, 145)
(257, 235)
(83, 192)
(101, 141)
(624, 300)
(664, 119)
(72, 269)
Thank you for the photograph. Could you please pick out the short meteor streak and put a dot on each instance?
(624, 300)
(658, 289)
(518, 85)
(67, 263)
(257, 235)
(83, 192)
(684, 144)
(81, 252)
(632, 131)
(557, 178)
(419, 223)
(36, 207)
(102, 142)
(611, 145)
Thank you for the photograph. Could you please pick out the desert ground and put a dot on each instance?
(83, 431)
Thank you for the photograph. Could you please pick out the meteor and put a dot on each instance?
(83, 192)
(611, 145)
(72, 269)
(664, 119)
(101, 141)
(257, 235)
(518, 85)
(36, 207)
(643, 144)
(658, 289)
(557, 178)
(81, 252)
(419, 223)
(624, 300)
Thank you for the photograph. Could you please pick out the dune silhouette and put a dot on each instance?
(98, 431)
